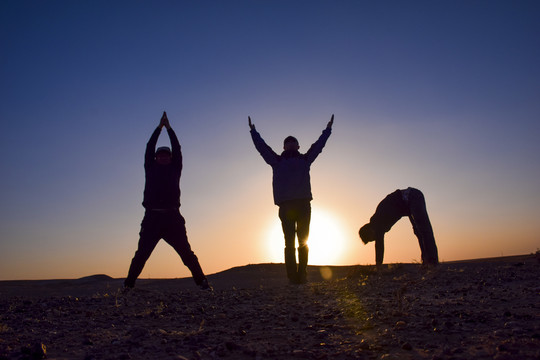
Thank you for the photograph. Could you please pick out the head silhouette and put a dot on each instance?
(163, 155)
(290, 143)
(367, 233)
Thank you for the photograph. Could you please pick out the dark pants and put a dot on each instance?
(422, 227)
(295, 216)
(171, 227)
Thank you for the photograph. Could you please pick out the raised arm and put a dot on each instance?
(318, 145)
(175, 144)
(269, 156)
(150, 152)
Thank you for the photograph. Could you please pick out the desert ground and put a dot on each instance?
(475, 309)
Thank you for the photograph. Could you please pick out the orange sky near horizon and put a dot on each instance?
(226, 243)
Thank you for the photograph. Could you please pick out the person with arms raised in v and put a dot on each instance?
(292, 194)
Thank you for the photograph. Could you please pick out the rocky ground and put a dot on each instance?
(482, 309)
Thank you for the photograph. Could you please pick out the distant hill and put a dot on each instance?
(99, 277)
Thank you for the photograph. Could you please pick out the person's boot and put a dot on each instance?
(290, 264)
(302, 264)
(204, 285)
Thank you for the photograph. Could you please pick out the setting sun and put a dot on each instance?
(326, 240)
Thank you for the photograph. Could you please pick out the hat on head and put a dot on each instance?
(163, 149)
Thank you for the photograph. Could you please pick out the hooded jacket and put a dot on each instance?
(290, 169)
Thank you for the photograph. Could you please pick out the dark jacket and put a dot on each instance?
(392, 208)
(291, 180)
(162, 187)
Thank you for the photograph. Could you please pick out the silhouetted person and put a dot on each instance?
(409, 202)
(292, 193)
(162, 218)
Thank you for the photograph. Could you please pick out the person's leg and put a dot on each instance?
(422, 228)
(176, 236)
(148, 239)
(419, 237)
(302, 230)
(288, 224)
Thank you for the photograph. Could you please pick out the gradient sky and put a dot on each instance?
(439, 95)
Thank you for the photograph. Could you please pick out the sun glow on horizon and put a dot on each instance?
(326, 240)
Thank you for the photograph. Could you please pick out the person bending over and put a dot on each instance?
(408, 202)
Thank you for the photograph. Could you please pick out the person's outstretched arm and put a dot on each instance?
(318, 145)
(379, 251)
(175, 144)
(266, 151)
(150, 152)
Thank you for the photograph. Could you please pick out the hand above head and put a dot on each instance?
(331, 122)
(164, 121)
(251, 126)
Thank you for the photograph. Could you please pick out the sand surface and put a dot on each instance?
(477, 309)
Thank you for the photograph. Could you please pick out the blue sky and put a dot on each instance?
(442, 96)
